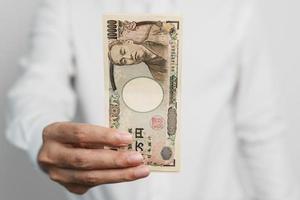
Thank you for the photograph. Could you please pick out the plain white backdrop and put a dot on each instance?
(18, 180)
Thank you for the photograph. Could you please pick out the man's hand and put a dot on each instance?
(74, 156)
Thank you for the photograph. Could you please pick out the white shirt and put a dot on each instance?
(227, 100)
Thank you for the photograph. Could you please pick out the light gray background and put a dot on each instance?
(17, 178)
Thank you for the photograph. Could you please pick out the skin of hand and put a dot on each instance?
(74, 156)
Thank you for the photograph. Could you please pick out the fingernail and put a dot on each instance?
(135, 158)
(142, 172)
(125, 137)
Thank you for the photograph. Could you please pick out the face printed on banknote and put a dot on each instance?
(143, 42)
(142, 76)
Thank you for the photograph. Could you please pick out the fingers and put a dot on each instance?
(73, 155)
(75, 133)
(97, 177)
(87, 159)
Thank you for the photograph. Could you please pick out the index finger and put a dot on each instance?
(78, 133)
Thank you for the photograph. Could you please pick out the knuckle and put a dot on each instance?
(79, 134)
(90, 179)
(110, 136)
(114, 138)
(61, 126)
(44, 157)
(116, 141)
(46, 132)
(120, 160)
(53, 175)
(79, 161)
(129, 176)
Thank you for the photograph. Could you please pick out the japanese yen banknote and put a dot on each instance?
(142, 83)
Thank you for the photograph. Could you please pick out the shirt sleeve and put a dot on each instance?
(260, 127)
(44, 93)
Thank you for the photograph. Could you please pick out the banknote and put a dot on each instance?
(143, 84)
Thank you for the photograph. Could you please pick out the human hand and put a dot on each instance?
(73, 155)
